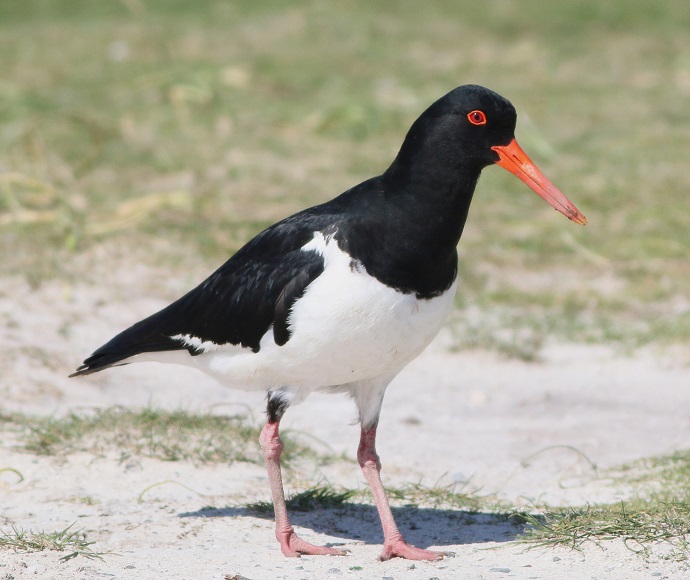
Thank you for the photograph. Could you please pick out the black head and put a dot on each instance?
(459, 130)
(472, 120)
(455, 138)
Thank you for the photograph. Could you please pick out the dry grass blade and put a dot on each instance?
(18, 473)
(131, 212)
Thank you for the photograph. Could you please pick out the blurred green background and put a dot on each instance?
(168, 132)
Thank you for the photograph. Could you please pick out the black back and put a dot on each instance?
(401, 228)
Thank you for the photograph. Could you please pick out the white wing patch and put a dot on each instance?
(325, 247)
(208, 346)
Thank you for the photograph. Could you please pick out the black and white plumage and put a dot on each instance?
(341, 296)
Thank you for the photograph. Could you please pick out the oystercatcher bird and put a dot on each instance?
(341, 296)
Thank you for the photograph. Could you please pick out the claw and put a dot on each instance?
(293, 546)
(401, 549)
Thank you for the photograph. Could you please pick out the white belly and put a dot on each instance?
(348, 327)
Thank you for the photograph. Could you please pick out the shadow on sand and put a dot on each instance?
(421, 527)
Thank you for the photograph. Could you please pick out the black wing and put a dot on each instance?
(253, 290)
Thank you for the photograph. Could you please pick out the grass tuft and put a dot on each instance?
(419, 495)
(317, 497)
(72, 541)
(166, 435)
(326, 495)
(656, 521)
(645, 526)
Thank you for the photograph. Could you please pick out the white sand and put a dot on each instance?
(525, 431)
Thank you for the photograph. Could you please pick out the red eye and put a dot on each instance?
(477, 117)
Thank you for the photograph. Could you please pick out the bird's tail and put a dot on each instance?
(143, 337)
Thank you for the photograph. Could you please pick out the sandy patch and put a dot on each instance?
(525, 431)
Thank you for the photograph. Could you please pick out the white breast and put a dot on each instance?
(347, 327)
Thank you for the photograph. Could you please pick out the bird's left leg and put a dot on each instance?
(394, 545)
(290, 543)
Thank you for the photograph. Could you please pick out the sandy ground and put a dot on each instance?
(525, 431)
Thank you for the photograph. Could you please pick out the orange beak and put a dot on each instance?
(515, 160)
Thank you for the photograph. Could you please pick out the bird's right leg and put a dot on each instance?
(271, 445)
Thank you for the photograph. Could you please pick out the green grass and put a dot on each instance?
(73, 542)
(166, 435)
(325, 495)
(185, 128)
(319, 496)
(667, 476)
(647, 527)
(435, 496)
(655, 521)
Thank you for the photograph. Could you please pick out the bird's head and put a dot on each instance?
(474, 127)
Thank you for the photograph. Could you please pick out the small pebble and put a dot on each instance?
(501, 570)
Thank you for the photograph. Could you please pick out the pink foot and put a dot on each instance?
(401, 549)
(293, 546)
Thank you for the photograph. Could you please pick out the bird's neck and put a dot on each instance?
(407, 230)
(438, 195)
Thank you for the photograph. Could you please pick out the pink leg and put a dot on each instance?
(393, 543)
(290, 544)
